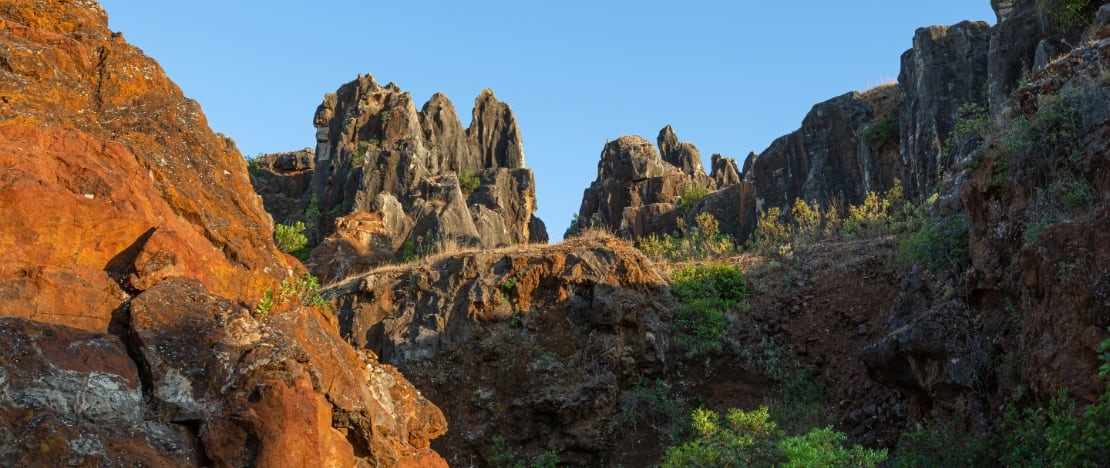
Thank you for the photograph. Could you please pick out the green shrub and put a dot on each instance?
(972, 124)
(938, 442)
(691, 196)
(291, 239)
(651, 402)
(942, 243)
(770, 232)
(707, 296)
(807, 219)
(751, 438)
(700, 242)
(469, 181)
(882, 132)
(358, 156)
(1069, 13)
(265, 304)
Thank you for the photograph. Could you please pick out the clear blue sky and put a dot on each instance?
(729, 76)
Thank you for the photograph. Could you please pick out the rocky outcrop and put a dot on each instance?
(282, 180)
(439, 181)
(360, 243)
(945, 69)
(638, 191)
(533, 344)
(135, 249)
(827, 157)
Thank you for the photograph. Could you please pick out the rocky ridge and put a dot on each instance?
(532, 344)
(135, 251)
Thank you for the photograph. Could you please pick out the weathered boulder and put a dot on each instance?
(448, 182)
(74, 397)
(360, 242)
(945, 69)
(208, 362)
(533, 344)
(638, 192)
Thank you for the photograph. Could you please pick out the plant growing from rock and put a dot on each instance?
(882, 132)
(291, 239)
(691, 196)
(708, 296)
(469, 181)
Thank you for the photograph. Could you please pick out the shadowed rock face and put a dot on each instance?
(945, 69)
(638, 189)
(531, 343)
(439, 181)
(134, 251)
(826, 157)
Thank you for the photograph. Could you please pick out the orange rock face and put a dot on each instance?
(134, 250)
(105, 166)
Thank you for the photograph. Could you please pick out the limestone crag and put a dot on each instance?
(827, 157)
(135, 250)
(638, 189)
(533, 344)
(376, 152)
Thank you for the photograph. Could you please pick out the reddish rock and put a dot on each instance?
(360, 242)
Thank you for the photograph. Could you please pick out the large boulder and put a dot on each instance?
(282, 179)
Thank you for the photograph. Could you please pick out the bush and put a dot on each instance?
(770, 232)
(691, 196)
(469, 181)
(1069, 13)
(882, 132)
(751, 438)
(358, 156)
(291, 239)
(651, 401)
(700, 242)
(942, 243)
(707, 295)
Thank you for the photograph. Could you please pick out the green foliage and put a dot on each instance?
(1104, 356)
(942, 243)
(751, 438)
(651, 402)
(408, 252)
(770, 231)
(291, 239)
(575, 227)
(707, 296)
(265, 304)
(255, 167)
(358, 156)
(882, 132)
(469, 181)
(807, 219)
(700, 242)
(503, 455)
(1069, 13)
(509, 285)
(938, 442)
(825, 447)
(691, 196)
(972, 124)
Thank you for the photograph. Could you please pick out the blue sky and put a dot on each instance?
(729, 76)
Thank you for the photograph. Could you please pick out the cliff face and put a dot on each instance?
(376, 153)
(134, 249)
(638, 191)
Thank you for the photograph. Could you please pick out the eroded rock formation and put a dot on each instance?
(135, 250)
(639, 190)
(421, 169)
(533, 344)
